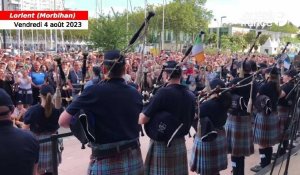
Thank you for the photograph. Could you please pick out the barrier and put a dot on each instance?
(54, 142)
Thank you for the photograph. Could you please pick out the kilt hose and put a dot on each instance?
(267, 131)
(239, 135)
(127, 162)
(209, 158)
(161, 160)
(45, 155)
(283, 115)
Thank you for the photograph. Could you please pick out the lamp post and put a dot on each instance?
(3, 31)
(219, 35)
(163, 28)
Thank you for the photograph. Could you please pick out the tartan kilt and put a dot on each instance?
(209, 157)
(239, 135)
(45, 155)
(267, 130)
(161, 160)
(283, 116)
(128, 162)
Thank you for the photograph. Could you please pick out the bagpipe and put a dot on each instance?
(63, 83)
(206, 129)
(163, 126)
(80, 125)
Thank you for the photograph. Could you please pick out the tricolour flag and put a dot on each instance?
(198, 51)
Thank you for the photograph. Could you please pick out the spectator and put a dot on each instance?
(24, 88)
(38, 79)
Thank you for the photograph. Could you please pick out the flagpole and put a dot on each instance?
(163, 28)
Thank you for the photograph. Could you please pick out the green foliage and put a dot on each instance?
(187, 16)
(286, 39)
(225, 42)
(109, 33)
(233, 43)
(287, 28)
(263, 38)
(211, 38)
(250, 37)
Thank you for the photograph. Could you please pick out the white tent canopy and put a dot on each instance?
(270, 47)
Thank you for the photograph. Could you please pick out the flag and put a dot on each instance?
(198, 51)
(287, 63)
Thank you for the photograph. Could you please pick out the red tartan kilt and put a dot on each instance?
(209, 157)
(283, 124)
(239, 135)
(127, 162)
(161, 160)
(45, 155)
(267, 130)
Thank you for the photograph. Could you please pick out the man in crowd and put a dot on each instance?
(38, 79)
(74, 79)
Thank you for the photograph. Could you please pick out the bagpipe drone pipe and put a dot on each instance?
(163, 126)
(81, 125)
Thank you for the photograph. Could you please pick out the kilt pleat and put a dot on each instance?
(267, 130)
(161, 160)
(283, 124)
(239, 135)
(209, 158)
(129, 162)
(45, 155)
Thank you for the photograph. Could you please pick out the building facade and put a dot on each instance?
(33, 5)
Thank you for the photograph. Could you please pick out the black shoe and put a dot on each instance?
(256, 168)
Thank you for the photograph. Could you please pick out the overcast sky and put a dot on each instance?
(236, 11)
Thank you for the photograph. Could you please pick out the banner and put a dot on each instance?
(44, 20)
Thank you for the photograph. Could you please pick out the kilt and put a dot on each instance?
(239, 135)
(267, 131)
(209, 158)
(128, 162)
(45, 155)
(283, 115)
(161, 160)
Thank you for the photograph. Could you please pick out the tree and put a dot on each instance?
(109, 33)
(225, 42)
(286, 28)
(211, 38)
(263, 38)
(238, 43)
(250, 37)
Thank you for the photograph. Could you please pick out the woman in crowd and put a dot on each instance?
(24, 88)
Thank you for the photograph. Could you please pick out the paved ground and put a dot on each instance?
(75, 160)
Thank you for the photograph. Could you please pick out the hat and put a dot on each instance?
(96, 70)
(5, 99)
(247, 66)
(217, 82)
(291, 73)
(111, 56)
(45, 89)
(19, 102)
(253, 65)
(171, 66)
(274, 71)
(262, 65)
